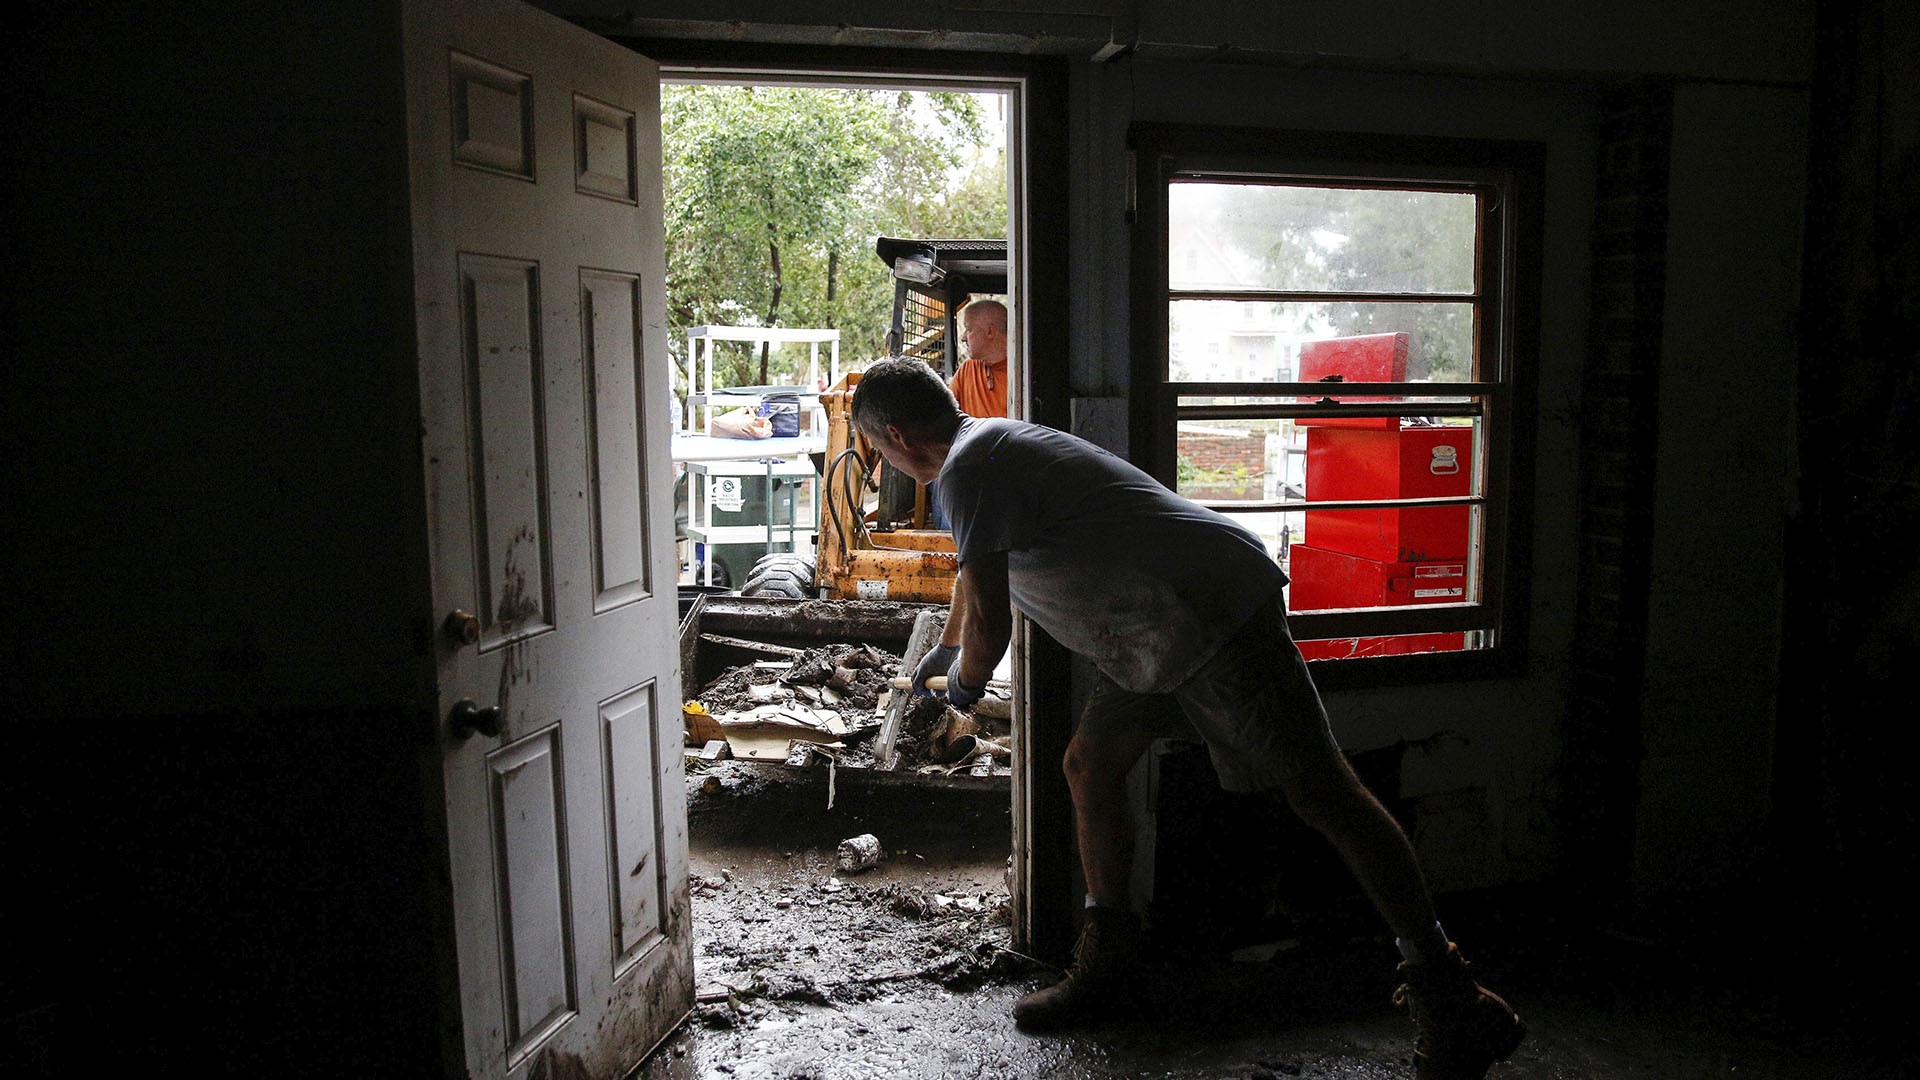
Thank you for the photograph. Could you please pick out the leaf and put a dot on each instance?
(811, 173)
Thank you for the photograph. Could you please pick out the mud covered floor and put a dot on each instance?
(778, 923)
(902, 971)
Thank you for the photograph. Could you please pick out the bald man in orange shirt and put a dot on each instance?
(981, 383)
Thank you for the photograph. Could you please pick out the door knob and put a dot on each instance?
(463, 627)
(467, 718)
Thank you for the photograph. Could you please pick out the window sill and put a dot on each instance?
(1366, 673)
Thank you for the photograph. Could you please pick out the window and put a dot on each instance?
(1371, 439)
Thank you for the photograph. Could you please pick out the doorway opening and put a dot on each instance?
(848, 843)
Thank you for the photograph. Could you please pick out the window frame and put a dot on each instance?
(1503, 396)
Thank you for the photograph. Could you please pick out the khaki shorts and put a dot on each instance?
(1253, 705)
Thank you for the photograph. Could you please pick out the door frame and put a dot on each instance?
(1044, 900)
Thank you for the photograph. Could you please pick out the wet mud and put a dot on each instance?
(804, 969)
(780, 927)
(903, 970)
(847, 679)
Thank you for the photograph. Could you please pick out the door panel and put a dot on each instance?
(610, 307)
(506, 439)
(534, 168)
(608, 150)
(530, 861)
(638, 887)
(492, 116)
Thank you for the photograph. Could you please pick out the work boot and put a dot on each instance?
(1464, 1027)
(1100, 983)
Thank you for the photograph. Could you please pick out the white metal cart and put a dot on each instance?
(705, 401)
(718, 490)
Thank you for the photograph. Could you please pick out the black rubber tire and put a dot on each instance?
(783, 574)
(721, 575)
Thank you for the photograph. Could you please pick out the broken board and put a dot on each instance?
(767, 733)
(755, 622)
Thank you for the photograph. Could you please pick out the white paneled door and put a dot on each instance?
(539, 296)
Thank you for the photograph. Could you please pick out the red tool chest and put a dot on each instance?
(1334, 579)
(1366, 358)
(1379, 558)
(1408, 463)
(1398, 645)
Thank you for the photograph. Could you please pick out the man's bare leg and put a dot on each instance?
(1101, 978)
(1464, 1027)
(1328, 796)
(1096, 771)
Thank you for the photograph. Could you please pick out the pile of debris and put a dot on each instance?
(935, 738)
(837, 704)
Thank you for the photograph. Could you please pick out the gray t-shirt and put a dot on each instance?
(1144, 583)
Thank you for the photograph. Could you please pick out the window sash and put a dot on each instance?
(1308, 296)
(1173, 155)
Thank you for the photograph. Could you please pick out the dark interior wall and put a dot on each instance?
(1720, 483)
(1847, 790)
(210, 386)
(1597, 788)
(215, 542)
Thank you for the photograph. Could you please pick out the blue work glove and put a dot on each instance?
(958, 696)
(936, 662)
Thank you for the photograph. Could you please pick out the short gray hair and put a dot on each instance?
(906, 394)
(991, 310)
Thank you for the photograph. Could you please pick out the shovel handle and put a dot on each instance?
(937, 682)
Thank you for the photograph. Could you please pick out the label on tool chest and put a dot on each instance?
(872, 590)
(1429, 582)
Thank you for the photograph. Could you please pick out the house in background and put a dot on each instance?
(226, 833)
(1224, 343)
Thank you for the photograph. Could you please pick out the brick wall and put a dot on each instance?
(1247, 453)
(1238, 460)
(1619, 416)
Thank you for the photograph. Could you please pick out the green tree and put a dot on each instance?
(755, 176)
(774, 196)
(1410, 240)
(1368, 241)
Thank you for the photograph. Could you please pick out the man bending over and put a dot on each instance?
(1182, 613)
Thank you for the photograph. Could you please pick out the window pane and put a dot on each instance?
(1350, 460)
(1383, 557)
(1260, 341)
(1341, 459)
(1337, 562)
(1241, 461)
(1264, 236)
(1277, 531)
